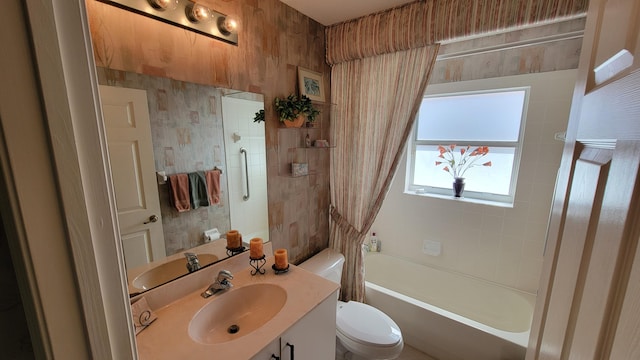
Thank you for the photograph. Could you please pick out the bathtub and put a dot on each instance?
(449, 316)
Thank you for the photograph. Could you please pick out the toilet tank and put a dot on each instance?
(327, 263)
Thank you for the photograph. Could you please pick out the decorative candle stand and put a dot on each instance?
(280, 271)
(257, 264)
(234, 251)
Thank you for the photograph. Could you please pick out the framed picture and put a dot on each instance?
(311, 84)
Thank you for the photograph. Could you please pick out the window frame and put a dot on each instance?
(497, 199)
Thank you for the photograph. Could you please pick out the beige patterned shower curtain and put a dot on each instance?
(376, 100)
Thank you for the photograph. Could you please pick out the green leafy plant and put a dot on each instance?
(292, 106)
(457, 165)
(259, 116)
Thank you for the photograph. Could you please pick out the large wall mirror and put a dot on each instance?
(158, 126)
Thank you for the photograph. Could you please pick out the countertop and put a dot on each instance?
(168, 337)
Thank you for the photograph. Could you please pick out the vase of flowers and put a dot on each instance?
(456, 163)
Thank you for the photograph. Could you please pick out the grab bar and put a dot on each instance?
(246, 172)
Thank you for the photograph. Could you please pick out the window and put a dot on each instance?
(489, 118)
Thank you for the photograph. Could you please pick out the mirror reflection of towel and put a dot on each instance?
(179, 192)
(198, 189)
(213, 186)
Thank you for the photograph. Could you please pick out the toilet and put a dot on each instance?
(362, 331)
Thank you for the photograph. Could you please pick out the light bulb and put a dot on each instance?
(164, 4)
(198, 13)
(228, 25)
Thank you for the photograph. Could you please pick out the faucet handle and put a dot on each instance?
(193, 263)
(224, 275)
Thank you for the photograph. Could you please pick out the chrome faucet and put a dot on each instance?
(221, 283)
(193, 263)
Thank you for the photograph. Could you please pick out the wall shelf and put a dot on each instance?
(292, 146)
(299, 176)
(315, 147)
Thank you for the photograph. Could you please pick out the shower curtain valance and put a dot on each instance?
(428, 22)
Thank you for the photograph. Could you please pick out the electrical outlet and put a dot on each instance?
(433, 248)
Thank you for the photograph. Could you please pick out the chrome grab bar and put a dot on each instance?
(246, 172)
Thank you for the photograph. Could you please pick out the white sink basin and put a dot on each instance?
(234, 313)
(168, 271)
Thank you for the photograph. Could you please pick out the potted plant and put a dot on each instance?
(294, 110)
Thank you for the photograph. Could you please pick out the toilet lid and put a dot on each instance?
(367, 325)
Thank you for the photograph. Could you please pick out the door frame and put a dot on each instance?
(91, 297)
(559, 203)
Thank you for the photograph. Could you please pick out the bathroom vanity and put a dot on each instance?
(275, 316)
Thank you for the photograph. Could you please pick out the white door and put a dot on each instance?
(589, 299)
(126, 118)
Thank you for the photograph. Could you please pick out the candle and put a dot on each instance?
(234, 239)
(256, 248)
(282, 262)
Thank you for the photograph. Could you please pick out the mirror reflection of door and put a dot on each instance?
(127, 123)
(248, 213)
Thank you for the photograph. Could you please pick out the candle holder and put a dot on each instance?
(257, 264)
(280, 271)
(234, 251)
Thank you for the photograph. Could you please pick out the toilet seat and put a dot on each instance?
(366, 325)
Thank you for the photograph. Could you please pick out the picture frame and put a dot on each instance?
(311, 84)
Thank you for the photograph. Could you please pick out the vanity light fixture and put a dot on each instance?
(186, 14)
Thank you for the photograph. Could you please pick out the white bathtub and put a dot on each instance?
(447, 315)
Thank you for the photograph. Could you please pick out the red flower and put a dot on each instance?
(457, 165)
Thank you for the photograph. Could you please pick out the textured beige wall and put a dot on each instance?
(274, 40)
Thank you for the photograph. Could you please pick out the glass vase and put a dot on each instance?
(458, 187)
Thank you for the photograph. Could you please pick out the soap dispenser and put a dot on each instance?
(374, 242)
